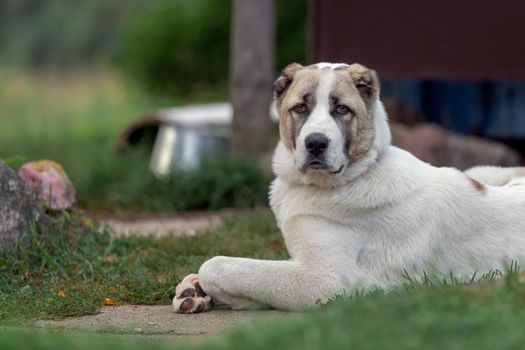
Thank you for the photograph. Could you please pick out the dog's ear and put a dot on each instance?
(366, 82)
(285, 80)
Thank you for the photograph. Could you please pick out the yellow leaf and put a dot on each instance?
(111, 302)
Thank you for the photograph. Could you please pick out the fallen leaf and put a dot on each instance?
(62, 294)
(111, 302)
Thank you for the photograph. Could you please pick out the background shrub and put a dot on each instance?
(59, 33)
(168, 47)
(180, 46)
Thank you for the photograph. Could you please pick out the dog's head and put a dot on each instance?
(328, 118)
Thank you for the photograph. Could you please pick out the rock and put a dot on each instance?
(50, 181)
(18, 205)
(441, 147)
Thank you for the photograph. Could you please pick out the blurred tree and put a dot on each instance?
(251, 76)
(182, 46)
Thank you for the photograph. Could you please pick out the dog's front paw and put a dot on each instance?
(190, 298)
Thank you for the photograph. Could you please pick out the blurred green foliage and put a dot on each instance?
(15, 162)
(76, 119)
(61, 33)
(178, 45)
(168, 47)
(126, 183)
(292, 32)
(181, 46)
(177, 49)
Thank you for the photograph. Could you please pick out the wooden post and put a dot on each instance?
(251, 76)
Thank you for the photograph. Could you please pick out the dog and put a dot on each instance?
(357, 213)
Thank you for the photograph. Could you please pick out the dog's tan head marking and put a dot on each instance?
(283, 82)
(366, 82)
(317, 96)
(294, 87)
(359, 131)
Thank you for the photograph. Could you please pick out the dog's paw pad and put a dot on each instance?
(190, 298)
(192, 305)
(189, 292)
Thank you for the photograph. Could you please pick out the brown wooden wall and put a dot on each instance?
(421, 39)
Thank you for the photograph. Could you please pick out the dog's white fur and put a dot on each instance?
(383, 217)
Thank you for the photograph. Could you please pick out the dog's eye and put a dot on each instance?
(300, 108)
(342, 110)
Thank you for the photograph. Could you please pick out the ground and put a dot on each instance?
(148, 224)
(160, 322)
(431, 314)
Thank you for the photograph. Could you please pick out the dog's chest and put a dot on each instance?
(288, 202)
(328, 222)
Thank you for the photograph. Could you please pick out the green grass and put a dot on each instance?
(90, 265)
(125, 183)
(75, 119)
(443, 318)
(481, 316)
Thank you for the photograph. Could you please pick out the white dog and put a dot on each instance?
(358, 213)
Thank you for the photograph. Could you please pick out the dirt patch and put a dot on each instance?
(187, 223)
(159, 321)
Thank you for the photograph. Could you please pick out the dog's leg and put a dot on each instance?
(248, 283)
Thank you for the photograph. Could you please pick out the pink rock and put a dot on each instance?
(50, 181)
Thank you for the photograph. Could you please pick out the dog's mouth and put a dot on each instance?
(318, 165)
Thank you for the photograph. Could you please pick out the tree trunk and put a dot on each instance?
(251, 76)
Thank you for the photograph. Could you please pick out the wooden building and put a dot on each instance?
(460, 63)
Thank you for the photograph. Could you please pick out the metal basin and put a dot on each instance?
(179, 147)
(189, 135)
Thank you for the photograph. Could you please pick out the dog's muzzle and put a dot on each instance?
(316, 144)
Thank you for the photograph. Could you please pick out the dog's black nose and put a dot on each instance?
(316, 143)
